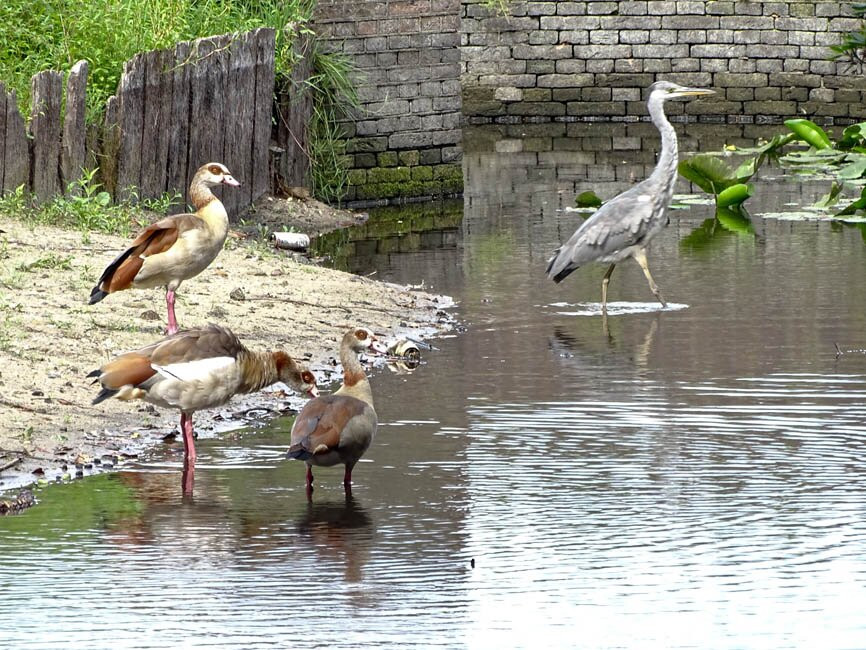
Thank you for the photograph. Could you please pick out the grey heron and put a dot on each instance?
(624, 226)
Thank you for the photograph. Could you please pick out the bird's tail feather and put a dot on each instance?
(96, 295)
(104, 394)
(298, 452)
(555, 274)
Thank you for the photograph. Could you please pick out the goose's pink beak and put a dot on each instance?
(228, 179)
(313, 392)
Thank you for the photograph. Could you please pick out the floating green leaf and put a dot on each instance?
(735, 220)
(853, 137)
(831, 197)
(707, 172)
(851, 208)
(810, 133)
(853, 170)
(820, 160)
(734, 195)
(588, 199)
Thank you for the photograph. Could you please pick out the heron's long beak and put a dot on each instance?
(690, 92)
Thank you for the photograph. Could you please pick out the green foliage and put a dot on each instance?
(334, 100)
(810, 133)
(588, 199)
(85, 207)
(41, 35)
(47, 261)
(499, 7)
(714, 176)
(853, 45)
(844, 159)
(734, 195)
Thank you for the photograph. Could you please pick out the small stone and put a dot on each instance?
(238, 294)
(149, 314)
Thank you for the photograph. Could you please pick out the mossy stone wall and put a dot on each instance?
(405, 140)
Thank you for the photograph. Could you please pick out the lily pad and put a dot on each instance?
(852, 170)
(853, 137)
(851, 208)
(734, 195)
(735, 220)
(810, 133)
(588, 199)
(831, 198)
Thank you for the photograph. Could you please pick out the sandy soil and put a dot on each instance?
(50, 338)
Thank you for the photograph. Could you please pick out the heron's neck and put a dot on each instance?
(666, 168)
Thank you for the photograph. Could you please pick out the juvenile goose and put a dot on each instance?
(176, 248)
(338, 428)
(197, 369)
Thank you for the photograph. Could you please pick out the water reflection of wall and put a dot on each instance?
(520, 178)
(395, 239)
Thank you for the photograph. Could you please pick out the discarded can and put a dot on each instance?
(295, 241)
(406, 349)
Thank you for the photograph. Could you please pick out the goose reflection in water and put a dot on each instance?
(340, 533)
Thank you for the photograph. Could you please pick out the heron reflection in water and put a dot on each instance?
(624, 226)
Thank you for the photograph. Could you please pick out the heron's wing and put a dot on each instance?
(621, 222)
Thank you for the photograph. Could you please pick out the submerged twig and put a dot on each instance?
(840, 351)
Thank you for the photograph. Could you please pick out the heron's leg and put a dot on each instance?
(604, 282)
(640, 257)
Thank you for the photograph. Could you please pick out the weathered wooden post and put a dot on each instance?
(73, 145)
(16, 156)
(47, 94)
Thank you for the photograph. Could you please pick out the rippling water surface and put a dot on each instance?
(686, 478)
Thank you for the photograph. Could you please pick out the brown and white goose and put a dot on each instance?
(197, 369)
(176, 248)
(338, 428)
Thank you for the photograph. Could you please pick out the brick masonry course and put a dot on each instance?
(404, 142)
(767, 61)
(423, 68)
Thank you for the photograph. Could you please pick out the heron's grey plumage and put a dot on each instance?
(624, 226)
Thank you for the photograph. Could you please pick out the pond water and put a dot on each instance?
(686, 478)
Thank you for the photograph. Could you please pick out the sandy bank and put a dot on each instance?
(50, 338)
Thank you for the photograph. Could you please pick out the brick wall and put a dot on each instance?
(405, 141)
(768, 61)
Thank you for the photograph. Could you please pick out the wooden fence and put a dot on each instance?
(205, 100)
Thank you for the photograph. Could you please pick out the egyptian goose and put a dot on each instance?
(338, 428)
(197, 369)
(176, 248)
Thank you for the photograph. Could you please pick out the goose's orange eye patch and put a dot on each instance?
(307, 378)
(213, 169)
(361, 335)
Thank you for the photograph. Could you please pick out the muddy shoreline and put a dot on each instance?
(50, 338)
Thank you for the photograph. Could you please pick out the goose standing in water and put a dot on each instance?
(624, 226)
(338, 428)
(176, 248)
(197, 369)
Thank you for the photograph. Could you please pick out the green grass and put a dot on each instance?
(53, 34)
(47, 261)
(86, 207)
